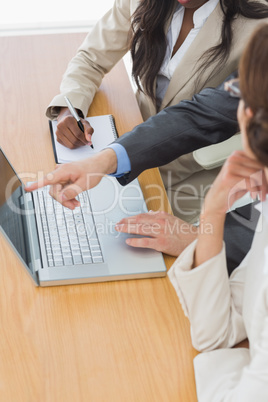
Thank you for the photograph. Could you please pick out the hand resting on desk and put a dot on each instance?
(168, 234)
(69, 134)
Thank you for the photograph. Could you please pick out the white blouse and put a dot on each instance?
(170, 63)
(222, 312)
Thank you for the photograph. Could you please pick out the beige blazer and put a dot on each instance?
(222, 312)
(107, 43)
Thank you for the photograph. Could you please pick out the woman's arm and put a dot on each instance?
(242, 375)
(212, 303)
(102, 48)
(239, 175)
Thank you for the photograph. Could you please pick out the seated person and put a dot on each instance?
(223, 311)
(174, 56)
(210, 117)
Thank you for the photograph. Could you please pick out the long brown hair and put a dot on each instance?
(148, 37)
(254, 90)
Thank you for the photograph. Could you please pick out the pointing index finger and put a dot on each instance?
(45, 181)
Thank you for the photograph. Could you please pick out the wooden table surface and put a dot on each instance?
(112, 341)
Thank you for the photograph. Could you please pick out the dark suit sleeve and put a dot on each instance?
(209, 118)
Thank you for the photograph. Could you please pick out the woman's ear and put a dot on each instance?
(249, 112)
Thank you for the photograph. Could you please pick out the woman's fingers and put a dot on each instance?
(69, 134)
(239, 175)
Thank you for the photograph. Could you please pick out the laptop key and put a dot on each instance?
(97, 259)
(86, 254)
(96, 252)
(77, 259)
(68, 260)
(87, 260)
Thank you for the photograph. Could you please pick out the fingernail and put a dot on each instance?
(50, 176)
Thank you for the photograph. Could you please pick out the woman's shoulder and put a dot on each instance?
(130, 5)
(244, 27)
(240, 21)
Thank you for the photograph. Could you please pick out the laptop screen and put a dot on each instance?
(11, 212)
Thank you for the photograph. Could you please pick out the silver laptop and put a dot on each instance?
(58, 246)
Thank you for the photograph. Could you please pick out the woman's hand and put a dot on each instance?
(239, 175)
(70, 179)
(69, 134)
(168, 233)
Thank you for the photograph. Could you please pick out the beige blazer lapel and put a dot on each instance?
(185, 72)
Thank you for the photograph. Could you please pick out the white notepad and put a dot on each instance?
(104, 133)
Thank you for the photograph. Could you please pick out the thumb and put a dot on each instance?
(88, 131)
(70, 191)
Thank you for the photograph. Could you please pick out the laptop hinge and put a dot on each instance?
(35, 263)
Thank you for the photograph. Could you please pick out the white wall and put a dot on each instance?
(24, 17)
(49, 14)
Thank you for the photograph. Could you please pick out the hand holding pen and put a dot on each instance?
(73, 131)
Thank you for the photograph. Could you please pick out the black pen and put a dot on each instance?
(75, 115)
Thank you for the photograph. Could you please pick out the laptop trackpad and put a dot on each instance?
(116, 201)
(111, 202)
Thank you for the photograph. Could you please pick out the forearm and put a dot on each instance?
(102, 48)
(210, 237)
(100, 164)
(207, 300)
(80, 83)
(107, 161)
(234, 180)
(208, 119)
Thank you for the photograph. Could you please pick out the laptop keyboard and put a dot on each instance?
(70, 239)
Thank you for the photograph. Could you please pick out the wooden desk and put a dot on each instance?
(114, 341)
